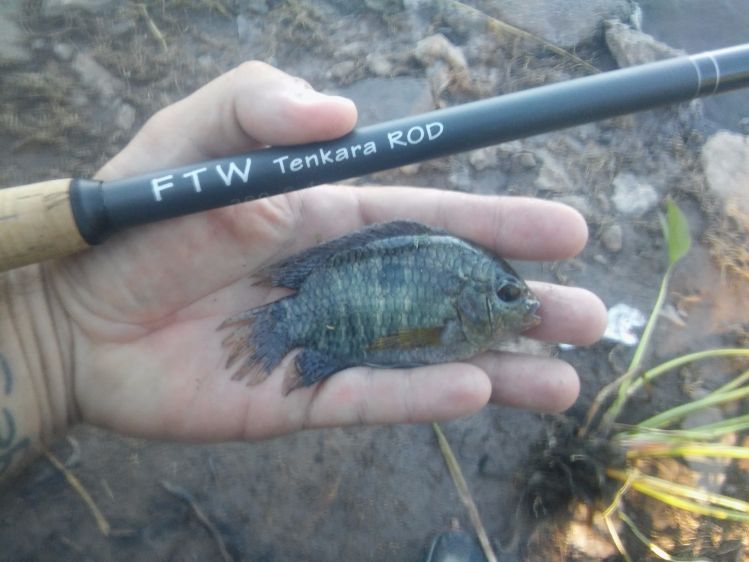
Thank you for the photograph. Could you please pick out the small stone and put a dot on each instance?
(352, 50)
(460, 178)
(633, 196)
(527, 160)
(55, 8)
(725, 159)
(439, 77)
(258, 6)
(387, 6)
(12, 50)
(410, 169)
(436, 48)
(579, 203)
(96, 77)
(206, 62)
(243, 27)
(552, 176)
(125, 118)
(382, 99)
(63, 51)
(342, 70)
(594, 543)
(122, 27)
(484, 158)
(79, 99)
(631, 47)
(510, 147)
(379, 65)
(612, 237)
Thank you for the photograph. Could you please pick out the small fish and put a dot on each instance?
(397, 294)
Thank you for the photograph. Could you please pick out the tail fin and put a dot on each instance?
(260, 338)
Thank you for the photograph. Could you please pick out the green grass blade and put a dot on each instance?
(674, 414)
(654, 548)
(735, 383)
(681, 490)
(678, 241)
(717, 429)
(694, 507)
(713, 450)
(675, 232)
(681, 360)
(647, 435)
(630, 378)
(630, 383)
(616, 539)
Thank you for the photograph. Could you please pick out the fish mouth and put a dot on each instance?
(531, 318)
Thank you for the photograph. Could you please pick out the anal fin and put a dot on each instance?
(311, 367)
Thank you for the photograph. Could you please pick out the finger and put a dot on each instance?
(250, 106)
(568, 314)
(513, 227)
(377, 396)
(542, 384)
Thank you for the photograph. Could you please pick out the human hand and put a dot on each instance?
(141, 311)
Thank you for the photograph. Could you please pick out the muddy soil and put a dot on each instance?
(89, 75)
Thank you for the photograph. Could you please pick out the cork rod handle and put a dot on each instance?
(37, 223)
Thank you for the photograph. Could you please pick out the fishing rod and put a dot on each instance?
(56, 218)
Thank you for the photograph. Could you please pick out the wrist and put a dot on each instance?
(36, 360)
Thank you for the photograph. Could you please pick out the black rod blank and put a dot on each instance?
(102, 208)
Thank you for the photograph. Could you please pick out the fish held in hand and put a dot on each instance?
(398, 294)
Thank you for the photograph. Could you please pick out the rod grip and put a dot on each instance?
(37, 223)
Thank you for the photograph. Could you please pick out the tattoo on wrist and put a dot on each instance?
(10, 443)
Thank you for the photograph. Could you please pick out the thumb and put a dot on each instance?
(248, 107)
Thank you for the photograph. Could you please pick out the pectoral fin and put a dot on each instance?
(409, 338)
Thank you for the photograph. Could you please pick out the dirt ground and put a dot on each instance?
(91, 76)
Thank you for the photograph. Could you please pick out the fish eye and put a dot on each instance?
(509, 292)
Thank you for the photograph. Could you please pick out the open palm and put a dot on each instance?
(142, 310)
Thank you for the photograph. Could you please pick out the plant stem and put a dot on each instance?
(679, 489)
(735, 383)
(465, 495)
(627, 387)
(654, 548)
(628, 379)
(650, 374)
(670, 416)
(650, 486)
(639, 435)
(714, 450)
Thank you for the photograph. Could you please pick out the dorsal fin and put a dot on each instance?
(292, 271)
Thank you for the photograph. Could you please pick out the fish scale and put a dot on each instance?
(392, 295)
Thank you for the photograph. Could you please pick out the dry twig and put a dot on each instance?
(185, 496)
(101, 521)
(464, 493)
